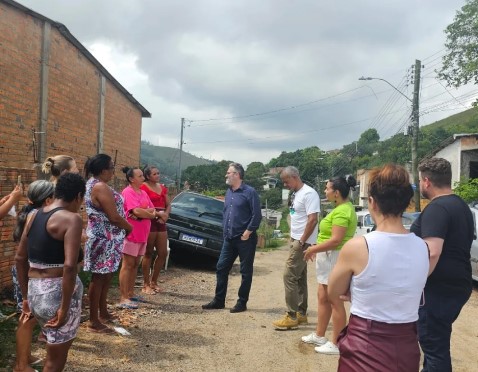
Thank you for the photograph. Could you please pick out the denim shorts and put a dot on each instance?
(44, 299)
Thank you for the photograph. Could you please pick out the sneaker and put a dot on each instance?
(302, 318)
(314, 339)
(286, 323)
(328, 348)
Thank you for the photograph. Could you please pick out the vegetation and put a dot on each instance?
(467, 190)
(167, 160)
(460, 64)
(316, 165)
(7, 329)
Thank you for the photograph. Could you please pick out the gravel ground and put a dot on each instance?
(173, 333)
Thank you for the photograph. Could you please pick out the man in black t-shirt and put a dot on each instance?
(446, 225)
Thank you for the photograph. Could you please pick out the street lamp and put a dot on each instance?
(415, 127)
(393, 86)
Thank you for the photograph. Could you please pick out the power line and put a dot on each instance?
(277, 110)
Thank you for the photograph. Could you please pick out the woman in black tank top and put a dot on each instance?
(63, 227)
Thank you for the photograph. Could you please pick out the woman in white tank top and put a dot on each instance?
(385, 272)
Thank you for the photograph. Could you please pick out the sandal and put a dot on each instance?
(138, 299)
(148, 291)
(127, 306)
(33, 361)
(156, 289)
(111, 319)
(104, 330)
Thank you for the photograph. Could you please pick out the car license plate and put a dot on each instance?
(191, 239)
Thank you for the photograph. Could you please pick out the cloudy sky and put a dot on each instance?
(253, 78)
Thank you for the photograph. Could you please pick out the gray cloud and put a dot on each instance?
(218, 59)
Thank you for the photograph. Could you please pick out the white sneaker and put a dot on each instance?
(314, 339)
(328, 348)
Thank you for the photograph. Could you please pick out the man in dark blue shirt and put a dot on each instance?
(241, 219)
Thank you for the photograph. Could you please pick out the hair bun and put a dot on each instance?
(46, 166)
(351, 182)
(125, 169)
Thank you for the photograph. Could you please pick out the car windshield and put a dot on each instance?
(367, 220)
(199, 204)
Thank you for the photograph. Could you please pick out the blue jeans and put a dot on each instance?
(246, 250)
(435, 319)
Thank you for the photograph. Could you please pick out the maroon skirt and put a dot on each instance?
(367, 345)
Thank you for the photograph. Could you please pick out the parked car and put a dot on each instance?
(474, 245)
(366, 224)
(195, 224)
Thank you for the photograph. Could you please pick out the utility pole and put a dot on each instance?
(415, 129)
(415, 125)
(180, 154)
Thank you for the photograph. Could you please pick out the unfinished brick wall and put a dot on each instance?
(73, 114)
(20, 49)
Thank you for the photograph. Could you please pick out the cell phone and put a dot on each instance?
(19, 179)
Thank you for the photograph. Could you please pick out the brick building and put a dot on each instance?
(55, 98)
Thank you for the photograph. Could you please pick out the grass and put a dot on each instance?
(7, 336)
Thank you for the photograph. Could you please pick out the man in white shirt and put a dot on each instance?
(304, 210)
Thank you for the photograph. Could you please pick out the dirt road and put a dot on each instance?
(173, 333)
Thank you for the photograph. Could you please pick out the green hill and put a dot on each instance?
(463, 122)
(167, 159)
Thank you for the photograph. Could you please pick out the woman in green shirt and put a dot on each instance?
(334, 230)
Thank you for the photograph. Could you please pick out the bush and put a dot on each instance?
(467, 190)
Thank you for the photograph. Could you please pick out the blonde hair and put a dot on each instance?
(56, 165)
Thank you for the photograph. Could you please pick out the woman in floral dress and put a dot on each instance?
(106, 231)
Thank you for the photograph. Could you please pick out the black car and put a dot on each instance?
(195, 224)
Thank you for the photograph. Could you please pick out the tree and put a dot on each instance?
(460, 64)
(253, 175)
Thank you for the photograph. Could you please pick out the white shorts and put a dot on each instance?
(324, 263)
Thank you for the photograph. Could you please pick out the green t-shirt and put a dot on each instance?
(343, 215)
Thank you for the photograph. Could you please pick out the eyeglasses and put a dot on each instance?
(230, 172)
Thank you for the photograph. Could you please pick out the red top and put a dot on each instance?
(159, 200)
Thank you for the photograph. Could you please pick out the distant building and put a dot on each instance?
(461, 150)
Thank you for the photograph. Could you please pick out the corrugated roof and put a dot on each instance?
(68, 36)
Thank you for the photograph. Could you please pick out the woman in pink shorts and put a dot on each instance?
(139, 211)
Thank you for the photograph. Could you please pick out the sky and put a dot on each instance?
(255, 78)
